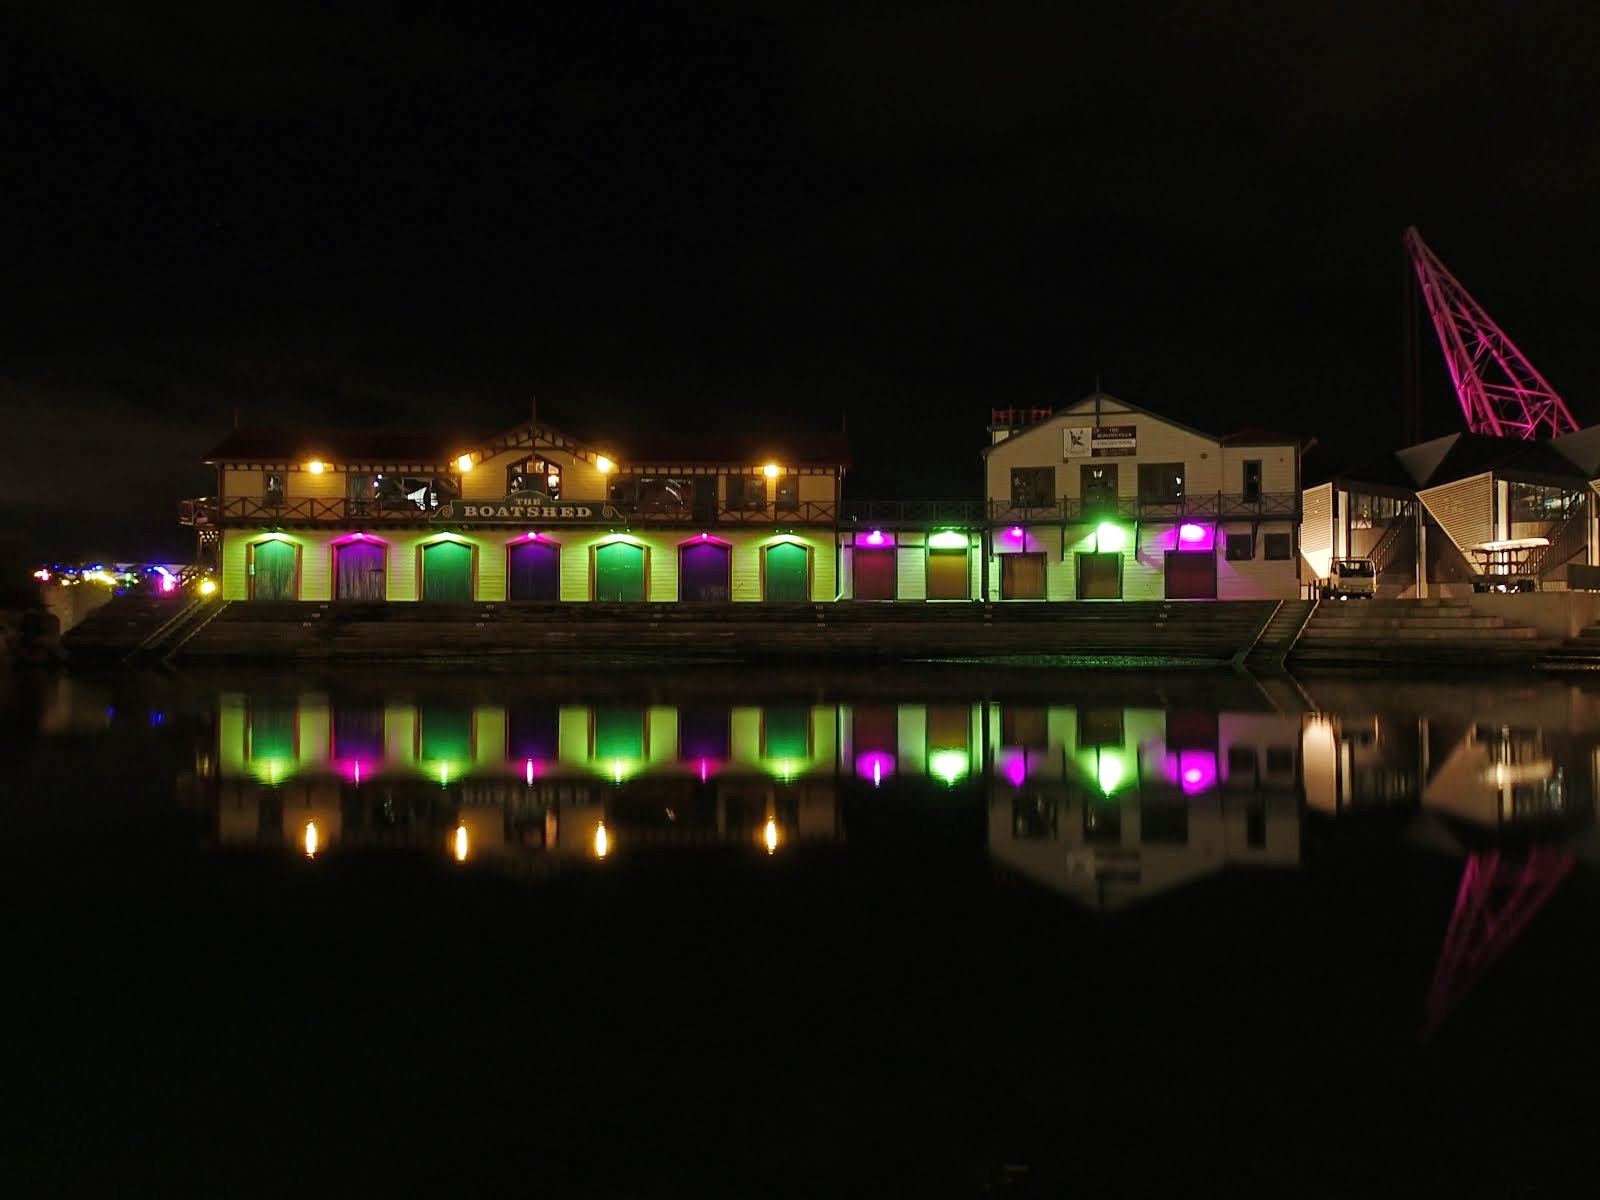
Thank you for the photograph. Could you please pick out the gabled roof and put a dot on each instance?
(1245, 437)
(1508, 458)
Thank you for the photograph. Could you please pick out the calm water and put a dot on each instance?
(934, 933)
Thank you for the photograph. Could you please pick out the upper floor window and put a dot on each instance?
(747, 491)
(1532, 503)
(1098, 484)
(788, 494)
(534, 475)
(1161, 483)
(422, 492)
(272, 488)
(1252, 480)
(1033, 487)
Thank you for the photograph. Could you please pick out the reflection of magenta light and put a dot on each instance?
(528, 774)
(1190, 533)
(1194, 771)
(355, 770)
(875, 538)
(703, 770)
(874, 765)
(1014, 766)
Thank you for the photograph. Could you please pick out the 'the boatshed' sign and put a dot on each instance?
(1100, 441)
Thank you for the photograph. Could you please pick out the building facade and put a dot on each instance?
(1104, 500)
(530, 515)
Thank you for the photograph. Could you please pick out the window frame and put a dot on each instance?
(1173, 473)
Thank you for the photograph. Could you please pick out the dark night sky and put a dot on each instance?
(682, 216)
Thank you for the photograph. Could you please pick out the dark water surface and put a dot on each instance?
(932, 933)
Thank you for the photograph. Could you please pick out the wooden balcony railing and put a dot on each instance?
(246, 510)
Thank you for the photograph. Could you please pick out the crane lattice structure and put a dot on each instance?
(1501, 392)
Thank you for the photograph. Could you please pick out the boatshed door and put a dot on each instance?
(272, 571)
(703, 573)
(619, 573)
(359, 571)
(447, 571)
(1191, 575)
(874, 574)
(534, 572)
(786, 574)
(947, 574)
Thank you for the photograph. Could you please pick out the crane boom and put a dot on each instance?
(1500, 391)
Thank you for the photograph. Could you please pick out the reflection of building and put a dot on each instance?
(1360, 762)
(1115, 805)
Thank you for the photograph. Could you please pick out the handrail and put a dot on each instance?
(172, 622)
(187, 634)
(1281, 660)
(1261, 629)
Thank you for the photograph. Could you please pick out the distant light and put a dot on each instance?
(356, 537)
(207, 586)
(770, 470)
(42, 573)
(168, 579)
(770, 835)
(948, 539)
(311, 839)
(603, 464)
(1016, 531)
(316, 466)
(875, 538)
(528, 775)
(461, 843)
(704, 536)
(1109, 538)
(101, 577)
(1189, 532)
(464, 463)
(602, 843)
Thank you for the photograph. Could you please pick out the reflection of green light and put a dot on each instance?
(788, 732)
(785, 769)
(1110, 538)
(272, 770)
(1110, 774)
(446, 734)
(948, 539)
(619, 733)
(948, 765)
(619, 770)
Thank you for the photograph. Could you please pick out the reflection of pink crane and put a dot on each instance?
(1501, 392)
(1497, 898)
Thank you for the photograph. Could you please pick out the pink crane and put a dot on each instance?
(1501, 392)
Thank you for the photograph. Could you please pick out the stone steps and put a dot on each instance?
(1441, 632)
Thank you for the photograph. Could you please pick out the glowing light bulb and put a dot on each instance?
(207, 587)
(603, 464)
(311, 839)
(316, 466)
(464, 463)
(770, 470)
(602, 844)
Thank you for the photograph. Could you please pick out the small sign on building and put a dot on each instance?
(1100, 441)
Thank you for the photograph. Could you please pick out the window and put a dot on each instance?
(788, 497)
(536, 475)
(747, 492)
(1100, 727)
(1164, 823)
(1241, 764)
(1280, 760)
(1033, 487)
(1252, 480)
(1241, 547)
(1098, 486)
(1033, 818)
(405, 492)
(272, 488)
(1279, 546)
(1161, 483)
(1541, 504)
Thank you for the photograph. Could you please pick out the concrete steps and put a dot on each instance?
(1275, 640)
(1439, 632)
(1580, 653)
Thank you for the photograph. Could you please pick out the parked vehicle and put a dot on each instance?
(1351, 579)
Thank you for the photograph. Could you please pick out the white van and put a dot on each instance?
(1351, 579)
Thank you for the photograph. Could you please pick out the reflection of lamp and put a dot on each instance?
(461, 843)
(770, 835)
(948, 765)
(311, 839)
(601, 842)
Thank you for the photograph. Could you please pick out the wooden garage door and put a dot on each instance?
(874, 574)
(1099, 577)
(947, 575)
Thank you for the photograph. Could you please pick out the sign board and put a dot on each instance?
(1100, 441)
(522, 509)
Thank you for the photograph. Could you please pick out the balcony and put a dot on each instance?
(1213, 506)
(340, 512)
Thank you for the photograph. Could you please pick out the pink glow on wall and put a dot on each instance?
(874, 765)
